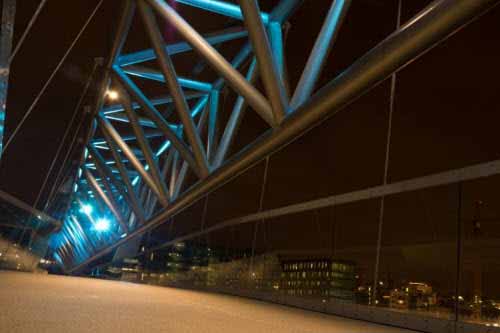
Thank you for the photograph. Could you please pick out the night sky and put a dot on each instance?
(446, 116)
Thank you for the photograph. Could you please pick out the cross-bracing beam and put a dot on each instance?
(434, 24)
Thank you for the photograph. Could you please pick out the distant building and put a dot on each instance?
(318, 277)
(414, 295)
(190, 266)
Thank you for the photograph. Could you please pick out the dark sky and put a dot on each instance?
(446, 109)
(27, 160)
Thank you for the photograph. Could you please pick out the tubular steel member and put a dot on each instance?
(184, 168)
(283, 10)
(124, 177)
(221, 7)
(129, 197)
(127, 14)
(221, 65)
(109, 131)
(145, 148)
(170, 76)
(234, 120)
(267, 64)
(6, 34)
(213, 110)
(151, 74)
(214, 38)
(435, 23)
(107, 200)
(121, 35)
(157, 101)
(160, 122)
(109, 190)
(275, 32)
(321, 49)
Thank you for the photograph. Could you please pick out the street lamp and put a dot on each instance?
(112, 95)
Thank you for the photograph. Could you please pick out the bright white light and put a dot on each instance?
(112, 95)
(86, 209)
(102, 224)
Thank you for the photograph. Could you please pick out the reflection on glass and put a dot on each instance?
(317, 259)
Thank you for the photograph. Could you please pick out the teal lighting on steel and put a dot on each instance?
(6, 36)
(86, 209)
(150, 144)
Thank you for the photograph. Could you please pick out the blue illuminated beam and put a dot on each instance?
(154, 75)
(143, 121)
(221, 7)
(149, 135)
(319, 54)
(155, 101)
(194, 113)
(181, 47)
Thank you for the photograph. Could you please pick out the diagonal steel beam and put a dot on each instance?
(184, 168)
(216, 61)
(155, 101)
(213, 38)
(106, 199)
(125, 189)
(160, 122)
(213, 110)
(114, 136)
(267, 63)
(144, 146)
(152, 74)
(221, 7)
(121, 34)
(170, 75)
(435, 23)
(143, 121)
(321, 49)
(234, 120)
(283, 10)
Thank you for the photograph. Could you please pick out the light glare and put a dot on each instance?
(102, 224)
(112, 95)
(86, 209)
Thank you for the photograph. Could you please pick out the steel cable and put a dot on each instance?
(42, 91)
(27, 30)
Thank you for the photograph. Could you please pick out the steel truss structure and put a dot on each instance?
(6, 35)
(143, 151)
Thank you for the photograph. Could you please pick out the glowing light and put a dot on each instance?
(112, 95)
(86, 209)
(102, 224)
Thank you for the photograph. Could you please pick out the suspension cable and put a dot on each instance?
(386, 166)
(49, 172)
(75, 112)
(42, 91)
(27, 30)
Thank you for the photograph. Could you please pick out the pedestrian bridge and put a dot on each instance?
(47, 303)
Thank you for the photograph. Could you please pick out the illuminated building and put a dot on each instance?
(318, 277)
(414, 295)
